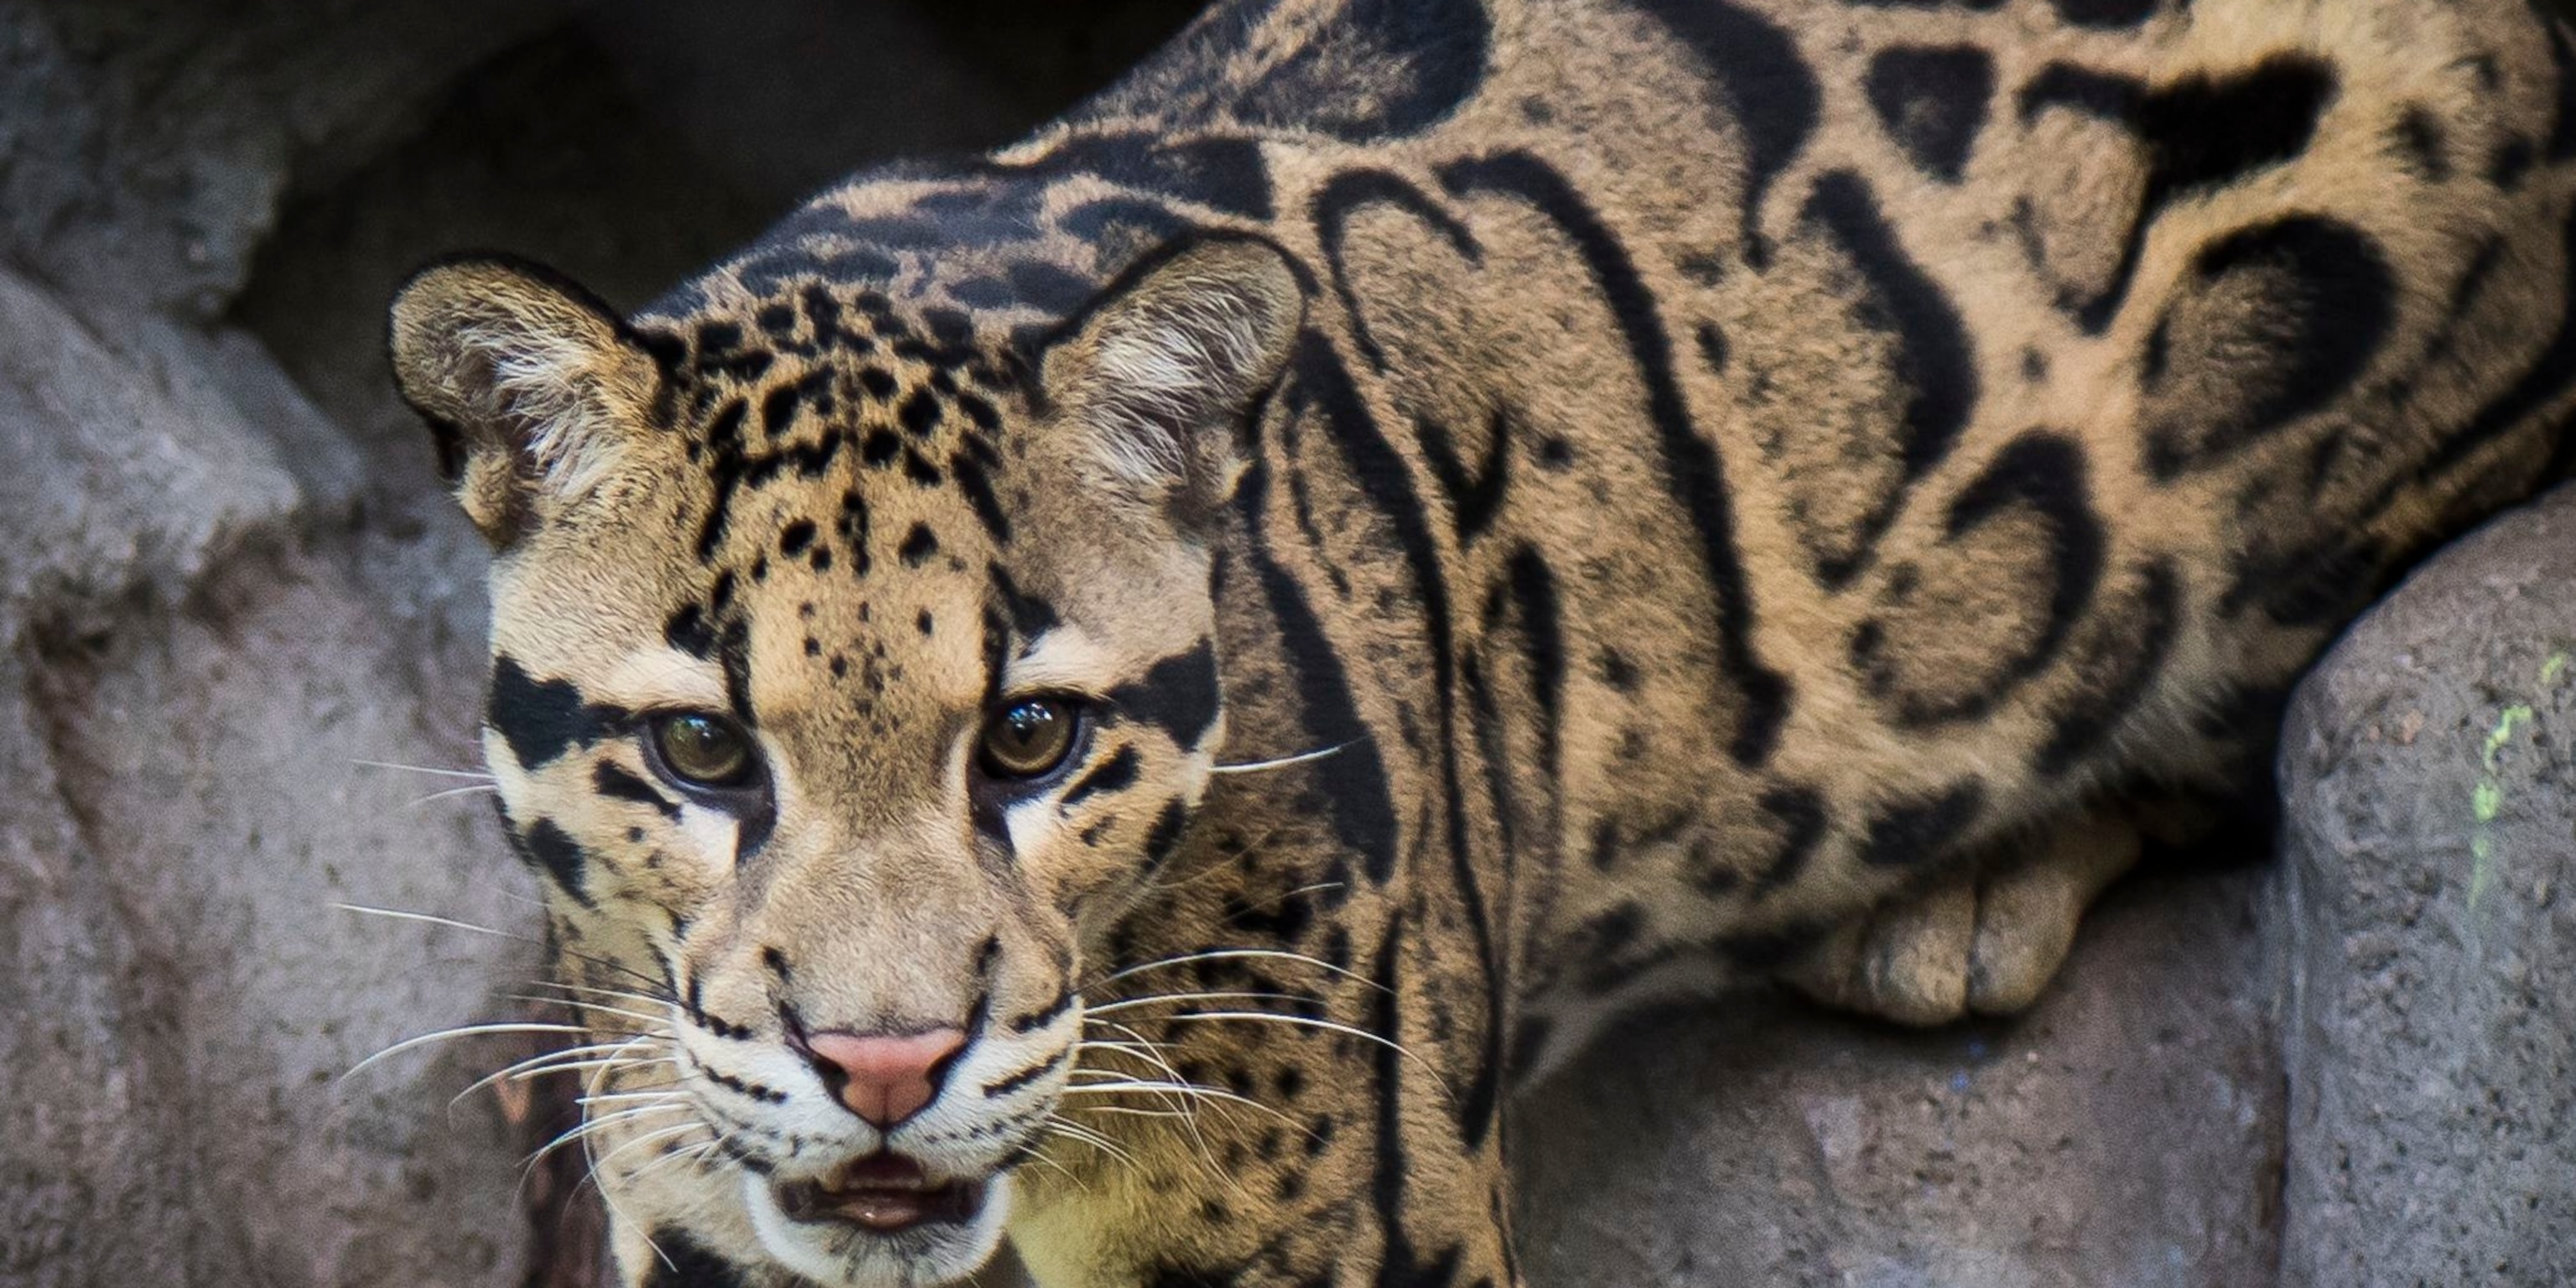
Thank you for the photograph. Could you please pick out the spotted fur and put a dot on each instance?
(1550, 503)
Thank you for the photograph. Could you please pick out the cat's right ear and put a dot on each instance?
(533, 389)
(1159, 374)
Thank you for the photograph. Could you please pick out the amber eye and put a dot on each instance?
(702, 750)
(1029, 737)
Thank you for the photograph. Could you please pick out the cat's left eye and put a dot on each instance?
(702, 750)
(1029, 738)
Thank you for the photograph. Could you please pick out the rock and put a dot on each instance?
(2126, 1131)
(192, 659)
(2425, 928)
(209, 767)
(145, 149)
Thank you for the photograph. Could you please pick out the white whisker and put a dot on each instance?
(1234, 954)
(1186, 1089)
(1062, 1170)
(545, 1066)
(1327, 1026)
(1283, 762)
(589, 1127)
(1178, 998)
(423, 769)
(1076, 1132)
(479, 789)
(658, 1133)
(684, 1154)
(433, 919)
(463, 1031)
(560, 1059)
(1151, 1052)
(646, 998)
(600, 1008)
(425, 918)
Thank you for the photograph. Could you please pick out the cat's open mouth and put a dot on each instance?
(882, 1193)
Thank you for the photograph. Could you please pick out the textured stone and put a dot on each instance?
(145, 148)
(2126, 1132)
(2426, 931)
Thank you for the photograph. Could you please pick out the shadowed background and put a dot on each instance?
(228, 582)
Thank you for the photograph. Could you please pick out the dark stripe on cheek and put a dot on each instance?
(547, 848)
(1025, 1076)
(1115, 774)
(615, 783)
(1166, 835)
(1179, 695)
(1044, 1015)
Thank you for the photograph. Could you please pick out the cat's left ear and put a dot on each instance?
(1163, 370)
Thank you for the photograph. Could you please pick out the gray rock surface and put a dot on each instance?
(2126, 1132)
(183, 691)
(2426, 928)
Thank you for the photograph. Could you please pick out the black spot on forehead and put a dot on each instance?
(2107, 13)
(918, 545)
(920, 412)
(918, 468)
(1030, 615)
(688, 632)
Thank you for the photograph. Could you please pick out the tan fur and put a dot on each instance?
(1669, 491)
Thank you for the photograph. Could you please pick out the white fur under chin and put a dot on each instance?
(919, 1258)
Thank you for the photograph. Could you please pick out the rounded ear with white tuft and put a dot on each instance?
(532, 387)
(1161, 372)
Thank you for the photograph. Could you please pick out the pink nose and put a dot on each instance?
(884, 1079)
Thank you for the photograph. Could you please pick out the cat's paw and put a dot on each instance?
(1987, 944)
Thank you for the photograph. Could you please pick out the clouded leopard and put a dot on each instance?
(1123, 692)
